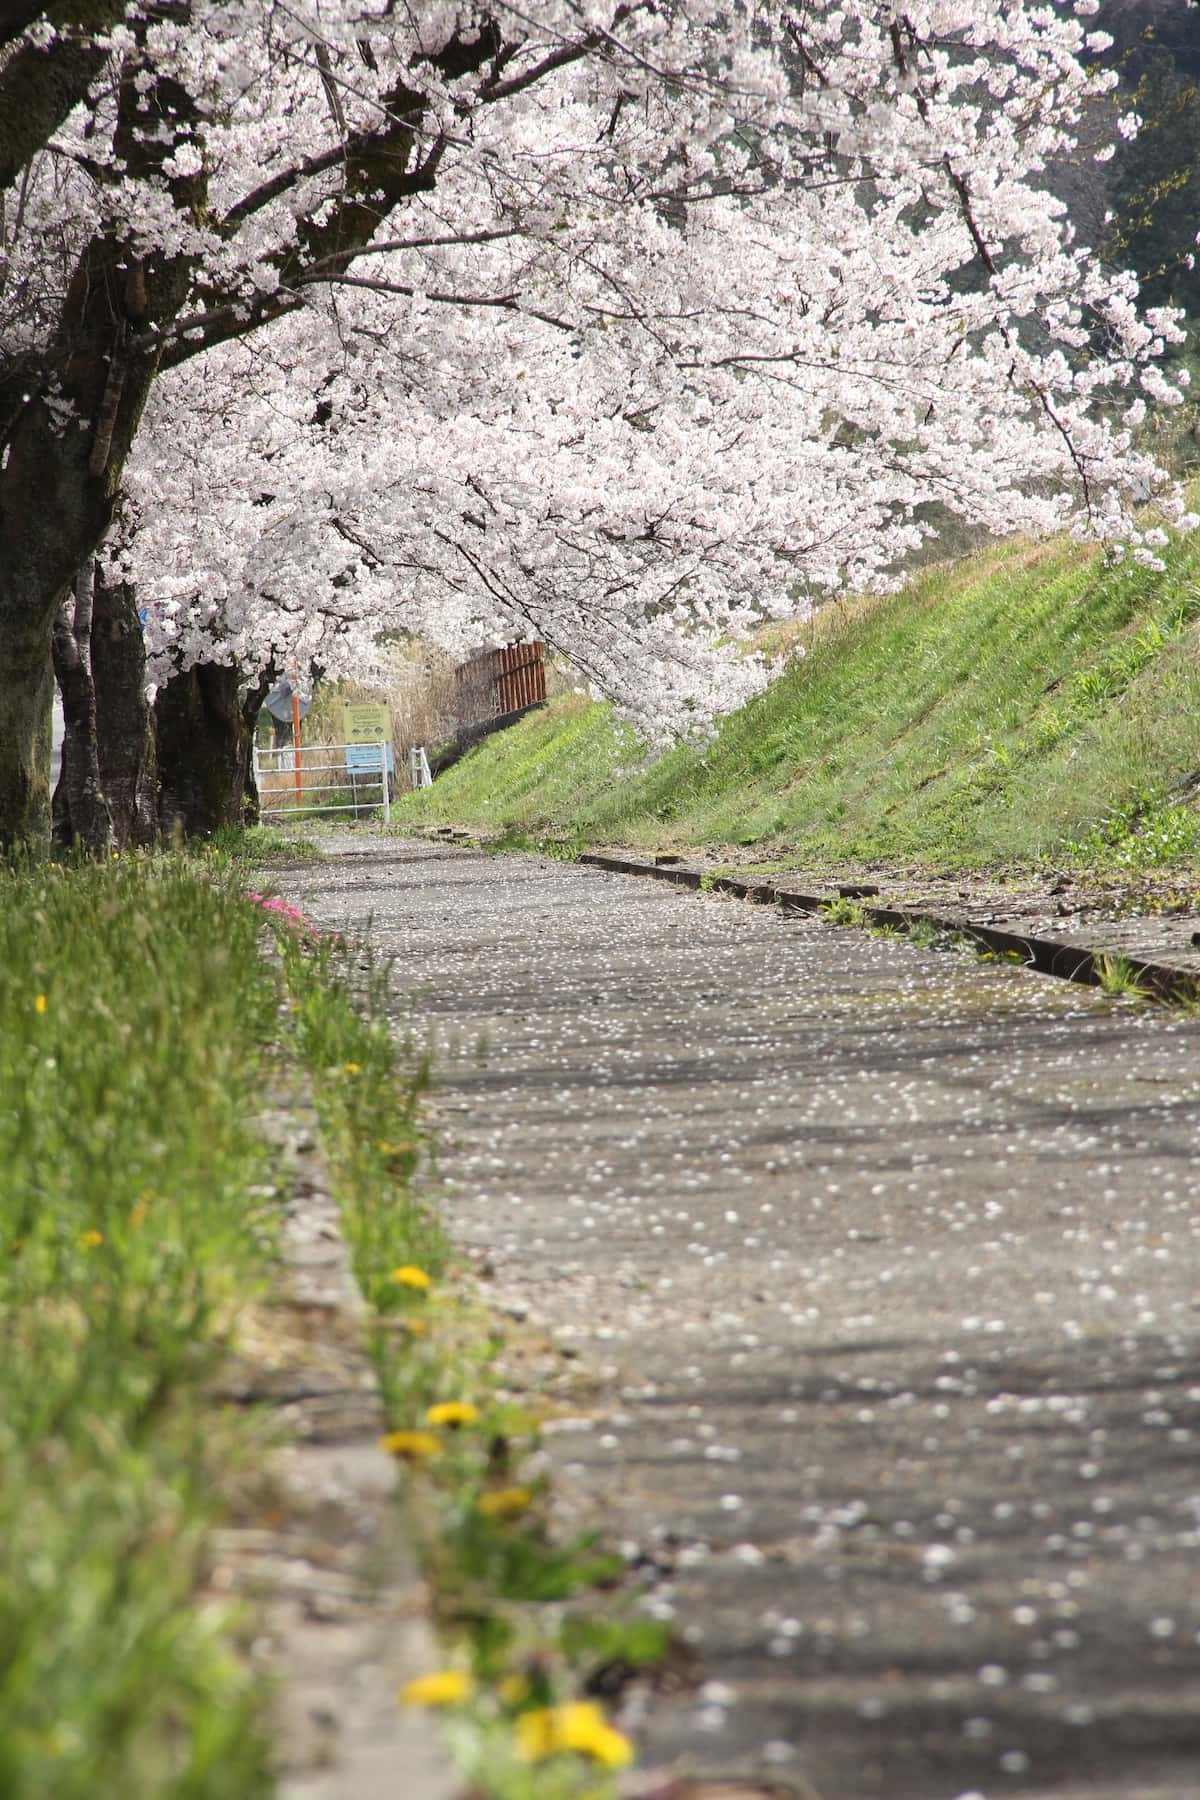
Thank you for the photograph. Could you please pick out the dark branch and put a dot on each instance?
(39, 86)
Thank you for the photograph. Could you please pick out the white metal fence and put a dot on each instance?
(324, 778)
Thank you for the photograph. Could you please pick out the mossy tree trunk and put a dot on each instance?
(59, 476)
(252, 706)
(204, 751)
(124, 719)
(80, 816)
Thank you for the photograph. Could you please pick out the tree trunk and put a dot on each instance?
(124, 720)
(59, 472)
(80, 815)
(251, 708)
(26, 692)
(204, 751)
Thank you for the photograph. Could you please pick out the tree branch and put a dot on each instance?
(40, 85)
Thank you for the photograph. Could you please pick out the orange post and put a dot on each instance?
(296, 745)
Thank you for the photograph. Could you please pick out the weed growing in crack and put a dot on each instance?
(841, 911)
(1119, 979)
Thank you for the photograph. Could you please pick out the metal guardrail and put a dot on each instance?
(324, 778)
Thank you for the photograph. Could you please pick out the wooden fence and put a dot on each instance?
(500, 681)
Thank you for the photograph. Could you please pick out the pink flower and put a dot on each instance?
(291, 914)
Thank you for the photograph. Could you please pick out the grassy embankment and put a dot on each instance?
(1025, 706)
(141, 1021)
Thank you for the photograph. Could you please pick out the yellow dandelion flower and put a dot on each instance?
(580, 1726)
(39, 1005)
(444, 1687)
(351, 1068)
(452, 1412)
(505, 1503)
(91, 1240)
(409, 1276)
(415, 1327)
(413, 1446)
(513, 1689)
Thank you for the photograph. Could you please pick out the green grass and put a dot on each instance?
(133, 1009)
(254, 846)
(1012, 709)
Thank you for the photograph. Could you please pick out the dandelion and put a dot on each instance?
(513, 1690)
(579, 1726)
(443, 1687)
(415, 1327)
(409, 1276)
(412, 1446)
(452, 1412)
(351, 1068)
(39, 1005)
(92, 1240)
(505, 1503)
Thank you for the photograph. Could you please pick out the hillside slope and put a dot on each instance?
(1024, 706)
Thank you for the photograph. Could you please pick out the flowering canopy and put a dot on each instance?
(625, 325)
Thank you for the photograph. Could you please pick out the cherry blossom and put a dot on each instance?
(623, 326)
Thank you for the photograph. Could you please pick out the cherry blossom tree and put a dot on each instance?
(623, 324)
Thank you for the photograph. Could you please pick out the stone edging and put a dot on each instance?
(1048, 956)
(321, 1544)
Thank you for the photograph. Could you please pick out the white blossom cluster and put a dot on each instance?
(691, 311)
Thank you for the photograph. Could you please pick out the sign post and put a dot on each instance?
(368, 730)
(298, 752)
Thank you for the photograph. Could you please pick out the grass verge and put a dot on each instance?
(257, 846)
(134, 1003)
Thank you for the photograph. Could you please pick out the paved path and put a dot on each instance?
(889, 1261)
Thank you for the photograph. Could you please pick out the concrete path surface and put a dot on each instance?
(885, 1263)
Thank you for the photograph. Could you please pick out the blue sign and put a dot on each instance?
(363, 759)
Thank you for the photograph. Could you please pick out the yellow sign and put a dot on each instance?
(367, 722)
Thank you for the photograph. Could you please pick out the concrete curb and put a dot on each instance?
(1047, 956)
(1169, 982)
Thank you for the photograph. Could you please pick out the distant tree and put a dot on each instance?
(1138, 26)
(1155, 194)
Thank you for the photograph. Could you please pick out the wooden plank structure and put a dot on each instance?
(501, 681)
